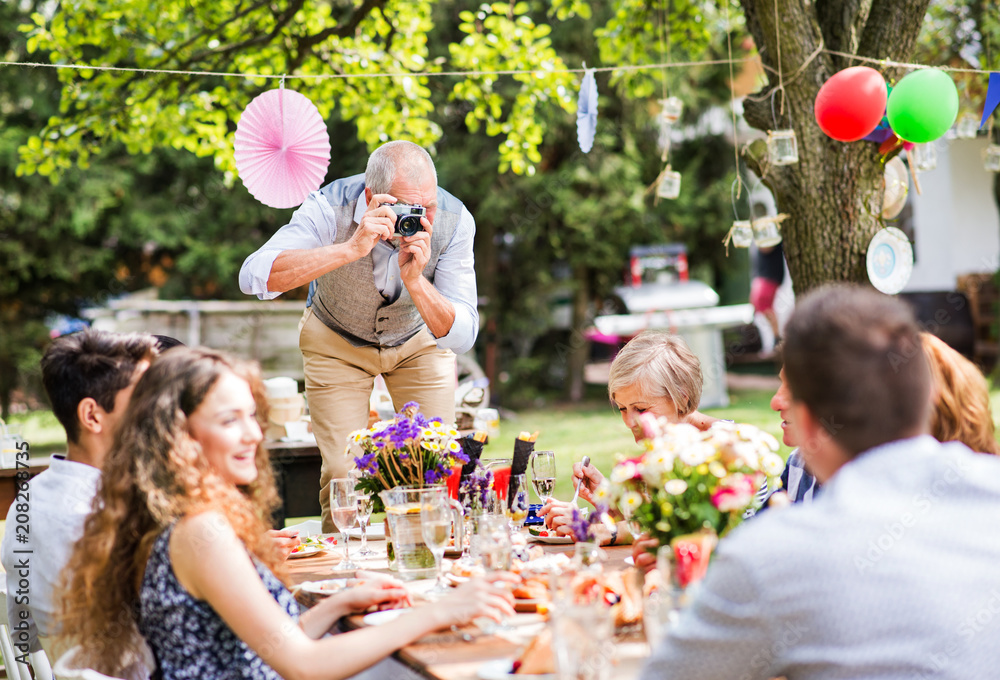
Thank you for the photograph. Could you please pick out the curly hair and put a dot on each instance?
(663, 366)
(961, 398)
(153, 476)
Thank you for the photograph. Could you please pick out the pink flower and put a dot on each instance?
(734, 492)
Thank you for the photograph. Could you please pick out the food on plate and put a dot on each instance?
(466, 570)
(537, 658)
(531, 588)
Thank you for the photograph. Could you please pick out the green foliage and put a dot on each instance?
(198, 113)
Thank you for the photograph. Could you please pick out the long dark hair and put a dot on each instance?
(154, 475)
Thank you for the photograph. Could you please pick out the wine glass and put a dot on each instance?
(543, 474)
(344, 509)
(365, 505)
(435, 525)
(517, 502)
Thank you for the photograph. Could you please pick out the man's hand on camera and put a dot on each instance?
(414, 253)
(378, 222)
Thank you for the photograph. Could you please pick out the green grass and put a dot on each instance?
(597, 430)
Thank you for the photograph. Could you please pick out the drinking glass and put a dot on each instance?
(435, 525)
(344, 509)
(517, 502)
(365, 504)
(543, 474)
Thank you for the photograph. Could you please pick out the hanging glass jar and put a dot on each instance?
(923, 157)
(742, 234)
(766, 233)
(991, 158)
(782, 147)
(669, 185)
(672, 108)
(967, 127)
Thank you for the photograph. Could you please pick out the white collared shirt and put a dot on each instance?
(50, 515)
(313, 225)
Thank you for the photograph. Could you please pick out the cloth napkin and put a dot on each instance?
(519, 465)
(473, 449)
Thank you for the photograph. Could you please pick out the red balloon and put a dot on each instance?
(851, 103)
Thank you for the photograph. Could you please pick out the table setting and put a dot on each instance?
(582, 611)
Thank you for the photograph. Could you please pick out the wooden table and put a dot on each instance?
(8, 480)
(444, 655)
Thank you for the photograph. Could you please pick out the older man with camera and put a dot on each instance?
(389, 256)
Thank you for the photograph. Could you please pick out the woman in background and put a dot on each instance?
(655, 372)
(961, 398)
(176, 549)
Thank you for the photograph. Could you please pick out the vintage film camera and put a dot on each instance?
(407, 218)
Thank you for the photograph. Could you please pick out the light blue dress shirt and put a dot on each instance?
(890, 573)
(314, 225)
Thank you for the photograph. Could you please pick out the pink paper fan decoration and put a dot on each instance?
(282, 148)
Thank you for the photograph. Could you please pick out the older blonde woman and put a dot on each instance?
(654, 373)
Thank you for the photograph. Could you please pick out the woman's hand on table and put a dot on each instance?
(284, 540)
(382, 593)
(558, 516)
(488, 596)
(641, 555)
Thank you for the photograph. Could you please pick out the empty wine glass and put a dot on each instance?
(543, 474)
(365, 504)
(344, 509)
(435, 525)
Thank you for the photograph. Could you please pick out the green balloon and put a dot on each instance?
(922, 106)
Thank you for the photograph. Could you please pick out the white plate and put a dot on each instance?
(327, 587)
(306, 551)
(890, 260)
(376, 532)
(629, 561)
(550, 538)
(499, 669)
(378, 618)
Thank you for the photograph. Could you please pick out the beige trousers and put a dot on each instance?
(339, 382)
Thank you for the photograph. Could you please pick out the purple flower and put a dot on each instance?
(367, 463)
(582, 525)
(476, 487)
(432, 476)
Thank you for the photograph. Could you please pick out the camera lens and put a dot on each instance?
(408, 225)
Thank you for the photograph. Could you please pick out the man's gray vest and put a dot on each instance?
(347, 300)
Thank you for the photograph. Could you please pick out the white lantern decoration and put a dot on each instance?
(923, 157)
(897, 186)
(991, 158)
(742, 234)
(669, 184)
(782, 147)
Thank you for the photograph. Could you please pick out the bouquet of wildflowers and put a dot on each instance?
(474, 490)
(409, 450)
(689, 486)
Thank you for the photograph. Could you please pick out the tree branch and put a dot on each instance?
(841, 22)
(892, 29)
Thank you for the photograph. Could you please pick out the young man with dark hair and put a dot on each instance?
(891, 571)
(89, 377)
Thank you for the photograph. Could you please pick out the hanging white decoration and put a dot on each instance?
(890, 260)
(586, 112)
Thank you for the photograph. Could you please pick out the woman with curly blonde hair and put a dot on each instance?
(175, 551)
(961, 398)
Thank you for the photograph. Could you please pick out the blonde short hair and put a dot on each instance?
(662, 365)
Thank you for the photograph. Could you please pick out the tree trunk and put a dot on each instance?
(833, 195)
